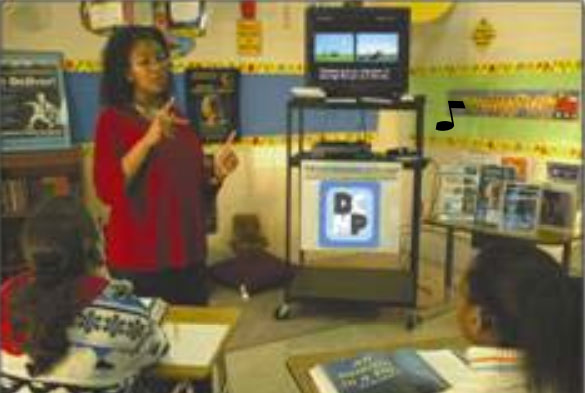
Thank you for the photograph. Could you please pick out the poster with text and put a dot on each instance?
(33, 106)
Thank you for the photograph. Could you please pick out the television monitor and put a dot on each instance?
(349, 205)
(358, 52)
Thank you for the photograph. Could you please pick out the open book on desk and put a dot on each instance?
(400, 371)
(193, 345)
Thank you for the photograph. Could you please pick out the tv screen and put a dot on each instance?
(357, 52)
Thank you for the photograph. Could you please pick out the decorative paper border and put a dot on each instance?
(555, 66)
(518, 103)
(541, 150)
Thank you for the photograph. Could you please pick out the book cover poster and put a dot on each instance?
(213, 101)
(33, 105)
(521, 203)
(349, 214)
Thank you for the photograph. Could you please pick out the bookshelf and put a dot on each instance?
(28, 178)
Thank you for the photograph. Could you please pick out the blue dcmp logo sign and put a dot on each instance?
(349, 214)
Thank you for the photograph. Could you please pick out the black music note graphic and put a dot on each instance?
(446, 125)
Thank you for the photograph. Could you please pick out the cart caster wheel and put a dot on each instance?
(412, 320)
(282, 312)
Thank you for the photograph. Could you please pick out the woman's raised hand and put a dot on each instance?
(162, 125)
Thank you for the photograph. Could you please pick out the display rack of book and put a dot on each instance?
(27, 179)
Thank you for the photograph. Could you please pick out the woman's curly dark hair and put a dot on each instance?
(60, 241)
(116, 89)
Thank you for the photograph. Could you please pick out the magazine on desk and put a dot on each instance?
(400, 371)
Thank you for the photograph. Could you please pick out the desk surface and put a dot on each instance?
(541, 237)
(197, 315)
(299, 365)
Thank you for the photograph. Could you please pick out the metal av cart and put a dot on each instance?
(396, 288)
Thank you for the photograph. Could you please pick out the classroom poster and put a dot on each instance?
(212, 101)
(33, 103)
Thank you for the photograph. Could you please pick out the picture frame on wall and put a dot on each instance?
(34, 108)
(212, 98)
(102, 16)
(186, 13)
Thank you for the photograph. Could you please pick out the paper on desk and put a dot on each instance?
(193, 344)
(446, 364)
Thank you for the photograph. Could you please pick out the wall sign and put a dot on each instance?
(483, 34)
(249, 37)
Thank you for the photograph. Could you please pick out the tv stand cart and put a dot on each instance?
(389, 287)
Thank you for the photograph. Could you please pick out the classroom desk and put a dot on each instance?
(299, 365)
(543, 238)
(200, 315)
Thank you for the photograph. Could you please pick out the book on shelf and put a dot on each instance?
(400, 371)
(492, 179)
(521, 203)
(523, 166)
(558, 208)
(20, 194)
(457, 192)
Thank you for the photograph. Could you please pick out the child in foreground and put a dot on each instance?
(523, 315)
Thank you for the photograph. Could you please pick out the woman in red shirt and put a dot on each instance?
(148, 167)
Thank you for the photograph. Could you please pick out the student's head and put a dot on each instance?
(60, 242)
(135, 64)
(518, 296)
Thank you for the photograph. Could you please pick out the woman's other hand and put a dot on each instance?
(225, 160)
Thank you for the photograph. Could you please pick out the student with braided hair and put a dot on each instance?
(65, 325)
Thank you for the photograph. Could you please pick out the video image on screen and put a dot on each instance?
(377, 47)
(334, 48)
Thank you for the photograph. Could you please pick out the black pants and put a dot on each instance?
(188, 286)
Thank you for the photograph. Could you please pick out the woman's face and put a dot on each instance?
(148, 71)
